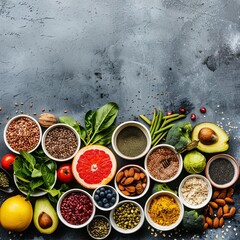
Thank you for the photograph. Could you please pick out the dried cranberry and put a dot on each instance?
(182, 110)
(169, 113)
(203, 109)
(193, 117)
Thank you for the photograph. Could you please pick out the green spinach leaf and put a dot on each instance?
(48, 176)
(29, 157)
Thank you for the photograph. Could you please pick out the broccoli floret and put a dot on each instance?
(192, 221)
(179, 135)
(162, 187)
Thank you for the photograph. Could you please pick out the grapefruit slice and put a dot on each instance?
(94, 165)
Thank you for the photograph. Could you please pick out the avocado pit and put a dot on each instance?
(44, 220)
(207, 136)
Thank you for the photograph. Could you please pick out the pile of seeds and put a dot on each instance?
(4, 181)
(23, 134)
(61, 142)
(99, 227)
(127, 216)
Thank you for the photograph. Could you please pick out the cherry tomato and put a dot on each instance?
(64, 173)
(7, 161)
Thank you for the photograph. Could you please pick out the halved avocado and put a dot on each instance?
(45, 217)
(212, 138)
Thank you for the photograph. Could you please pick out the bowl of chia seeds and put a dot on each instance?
(127, 217)
(131, 140)
(22, 133)
(222, 170)
(61, 142)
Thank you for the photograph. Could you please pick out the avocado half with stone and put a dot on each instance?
(45, 217)
(212, 138)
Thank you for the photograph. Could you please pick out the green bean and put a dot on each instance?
(158, 125)
(154, 121)
(145, 119)
(171, 116)
(166, 122)
(158, 138)
(162, 129)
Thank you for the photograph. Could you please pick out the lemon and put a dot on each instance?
(16, 213)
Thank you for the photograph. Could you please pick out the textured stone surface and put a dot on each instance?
(68, 57)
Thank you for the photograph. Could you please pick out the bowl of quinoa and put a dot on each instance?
(195, 191)
(22, 133)
(156, 167)
(61, 142)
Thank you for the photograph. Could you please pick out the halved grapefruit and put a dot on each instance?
(94, 165)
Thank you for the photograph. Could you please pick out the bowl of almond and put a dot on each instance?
(132, 181)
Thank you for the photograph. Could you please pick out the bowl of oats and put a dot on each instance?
(195, 191)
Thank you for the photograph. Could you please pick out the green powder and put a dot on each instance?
(131, 141)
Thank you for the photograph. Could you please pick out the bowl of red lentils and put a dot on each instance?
(22, 133)
(75, 208)
(164, 210)
(61, 142)
(163, 164)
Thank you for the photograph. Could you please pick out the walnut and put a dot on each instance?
(47, 119)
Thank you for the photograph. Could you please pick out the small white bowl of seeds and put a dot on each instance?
(195, 191)
(61, 142)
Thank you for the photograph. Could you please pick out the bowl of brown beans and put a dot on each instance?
(75, 208)
(61, 142)
(132, 181)
(127, 217)
(22, 133)
(164, 210)
(163, 164)
(99, 228)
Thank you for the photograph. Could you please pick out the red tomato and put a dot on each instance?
(64, 173)
(7, 161)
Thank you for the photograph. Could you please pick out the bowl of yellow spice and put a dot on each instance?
(164, 210)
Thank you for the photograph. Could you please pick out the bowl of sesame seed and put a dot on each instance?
(61, 142)
(22, 133)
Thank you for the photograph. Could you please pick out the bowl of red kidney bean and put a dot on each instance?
(61, 142)
(75, 208)
(22, 133)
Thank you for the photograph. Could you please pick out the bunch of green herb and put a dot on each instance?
(35, 172)
(99, 125)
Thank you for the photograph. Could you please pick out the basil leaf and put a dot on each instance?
(52, 166)
(89, 121)
(71, 122)
(104, 137)
(36, 173)
(48, 176)
(36, 183)
(29, 157)
(17, 164)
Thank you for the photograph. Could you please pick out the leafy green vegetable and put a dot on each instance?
(179, 135)
(192, 221)
(34, 172)
(162, 187)
(98, 124)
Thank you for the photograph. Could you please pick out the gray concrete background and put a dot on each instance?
(68, 57)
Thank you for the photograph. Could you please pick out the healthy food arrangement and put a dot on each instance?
(60, 171)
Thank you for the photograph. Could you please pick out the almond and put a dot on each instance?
(139, 188)
(130, 189)
(126, 173)
(126, 193)
(121, 187)
(225, 209)
(119, 176)
(131, 172)
(209, 221)
(215, 194)
(232, 211)
(221, 222)
(137, 170)
(230, 192)
(123, 180)
(220, 201)
(210, 211)
(205, 226)
(223, 193)
(213, 205)
(206, 210)
(145, 179)
(220, 212)
(216, 222)
(142, 175)
(137, 176)
(128, 181)
(229, 200)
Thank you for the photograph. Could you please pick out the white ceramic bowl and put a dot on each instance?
(57, 126)
(143, 129)
(187, 203)
(163, 169)
(127, 231)
(156, 225)
(36, 193)
(96, 202)
(232, 160)
(137, 196)
(60, 202)
(109, 231)
(15, 118)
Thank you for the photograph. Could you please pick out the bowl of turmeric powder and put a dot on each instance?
(164, 210)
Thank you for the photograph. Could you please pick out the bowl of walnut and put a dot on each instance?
(132, 181)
